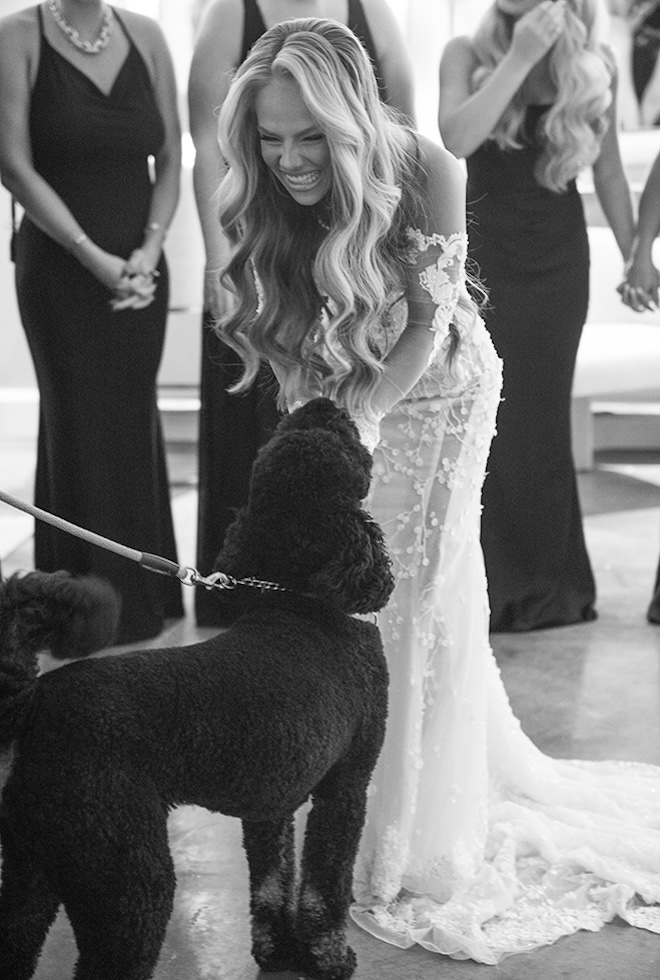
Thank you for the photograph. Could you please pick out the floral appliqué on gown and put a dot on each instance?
(476, 844)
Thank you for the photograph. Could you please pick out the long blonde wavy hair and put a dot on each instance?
(581, 72)
(348, 248)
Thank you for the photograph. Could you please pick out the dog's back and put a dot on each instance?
(246, 723)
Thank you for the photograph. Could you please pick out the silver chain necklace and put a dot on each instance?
(72, 35)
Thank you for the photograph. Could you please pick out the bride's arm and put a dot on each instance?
(435, 281)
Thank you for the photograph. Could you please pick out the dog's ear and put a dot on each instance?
(358, 578)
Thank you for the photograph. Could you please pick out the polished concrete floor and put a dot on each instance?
(590, 691)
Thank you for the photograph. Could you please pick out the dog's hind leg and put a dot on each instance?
(120, 892)
(334, 826)
(28, 907)
(269, 847)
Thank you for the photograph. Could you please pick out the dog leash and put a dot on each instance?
(153, 563)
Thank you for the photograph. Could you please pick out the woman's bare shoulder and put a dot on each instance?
(438, 162)
(19, 39)
(20, 28)
(143, 29)
(150, 40)
(442, 191)
(222, 15)
(459, 50)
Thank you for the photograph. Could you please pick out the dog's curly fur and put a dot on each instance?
(289, 703)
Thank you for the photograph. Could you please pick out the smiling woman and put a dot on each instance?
(291, 142)
(322, 168)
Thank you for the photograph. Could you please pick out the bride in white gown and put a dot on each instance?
(476, 845)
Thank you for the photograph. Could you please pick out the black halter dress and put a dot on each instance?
(101, 462)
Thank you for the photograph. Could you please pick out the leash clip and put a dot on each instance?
(216, 580)
(188, 576)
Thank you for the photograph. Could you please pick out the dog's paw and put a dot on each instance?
(274, 949)
(329, 964)
(277, 964)
(276, 956)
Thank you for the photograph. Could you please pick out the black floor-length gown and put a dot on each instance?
(532, 253)
(645, 50)
(233, 427)
(101, 462)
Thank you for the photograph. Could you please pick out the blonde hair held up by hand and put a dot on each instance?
(581, 70)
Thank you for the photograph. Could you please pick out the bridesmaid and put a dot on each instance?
(87, 97)
(529, 101)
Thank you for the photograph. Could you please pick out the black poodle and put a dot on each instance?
(289, 703)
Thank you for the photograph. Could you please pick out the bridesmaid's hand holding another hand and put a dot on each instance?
(639, 298)
(639, 290)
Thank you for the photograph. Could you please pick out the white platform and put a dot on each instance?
(614, 360)
(618, 359)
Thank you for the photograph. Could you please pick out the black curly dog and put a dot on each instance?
(289, 703)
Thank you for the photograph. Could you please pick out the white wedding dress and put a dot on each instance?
(476, 844)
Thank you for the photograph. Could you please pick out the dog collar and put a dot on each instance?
(220, 580)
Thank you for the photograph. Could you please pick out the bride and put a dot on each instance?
(476, 845)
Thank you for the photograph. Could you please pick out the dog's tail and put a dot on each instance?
(70, 617)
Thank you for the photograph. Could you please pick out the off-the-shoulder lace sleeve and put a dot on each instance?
(436, 280)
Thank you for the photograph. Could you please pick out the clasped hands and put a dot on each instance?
(137, 284)
(639, 289)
